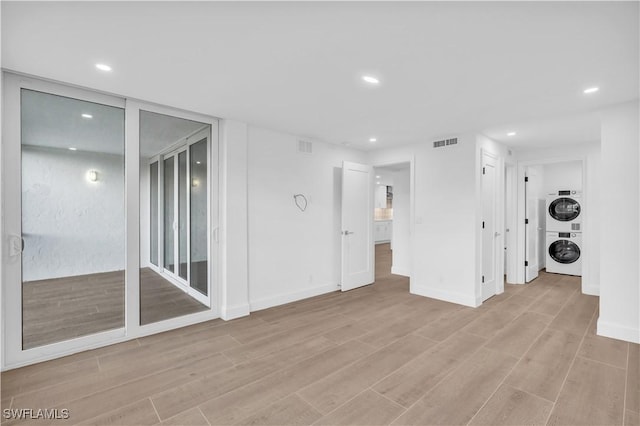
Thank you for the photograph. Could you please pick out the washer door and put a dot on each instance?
(564, 209)
(564, 251)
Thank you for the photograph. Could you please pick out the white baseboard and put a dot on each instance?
(282, 298)
(400, 271)
(447, 296)
(618, 331)
(232, 312)
(591, 290)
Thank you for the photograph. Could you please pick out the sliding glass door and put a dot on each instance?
(102, 237)
(178, 168)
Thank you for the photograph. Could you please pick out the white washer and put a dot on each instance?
(565, 211)
(564, 253)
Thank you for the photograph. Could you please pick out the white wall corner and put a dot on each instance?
(232, 312)
(618, 331)
(447, 296)
(401, 271)
(234, 279)
(591, 290)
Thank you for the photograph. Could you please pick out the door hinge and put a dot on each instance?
(526, 221)
(484, 170)
(483, 278)
(526, 263)
(483, 224)
(526, 179)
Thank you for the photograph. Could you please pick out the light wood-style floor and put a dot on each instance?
(63, 308)
(375, 355)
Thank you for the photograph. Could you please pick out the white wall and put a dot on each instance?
(401, 234)
(234, 220)
(293, 254)
(562, 176)
(619, 277)
(71, 226)
(443, 252)
(589, 156)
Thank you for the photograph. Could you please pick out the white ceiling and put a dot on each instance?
(445, 67)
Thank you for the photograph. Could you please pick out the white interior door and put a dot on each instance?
(357, 225)
(489, 233)
(531, 231)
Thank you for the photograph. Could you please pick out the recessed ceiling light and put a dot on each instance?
(377, 177)
(591, 90)
(72, 148)
(372, 139)
(377, 183)
(511, 134)
(87, 116)
(103, 67)
(370, 80)
(197, 162)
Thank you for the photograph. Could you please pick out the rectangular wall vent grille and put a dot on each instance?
(305, 147)
(445, 142)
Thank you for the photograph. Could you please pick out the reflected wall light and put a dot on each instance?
(195, 182)
(92, 176)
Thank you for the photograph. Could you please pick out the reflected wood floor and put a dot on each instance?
(374, 355)
(64, 308)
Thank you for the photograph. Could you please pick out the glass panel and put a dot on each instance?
(564, 251)
(199, 211)
(564, 209)
(168, 214)
(73, 222)
(163, 293)
(153, 209)
(182, 214)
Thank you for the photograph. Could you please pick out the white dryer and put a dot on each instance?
(564, 253)
(565, 211)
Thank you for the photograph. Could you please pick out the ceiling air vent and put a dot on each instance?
(445, 142)
(305, 147)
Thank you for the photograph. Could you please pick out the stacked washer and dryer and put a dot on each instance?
(564, 232)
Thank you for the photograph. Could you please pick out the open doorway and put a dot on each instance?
(392, 220)
(553, 210)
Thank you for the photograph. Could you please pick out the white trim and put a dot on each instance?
(618, 331)
(283, 298)
(232, 312)
(591, 290)
(401, 271)
(447, 296)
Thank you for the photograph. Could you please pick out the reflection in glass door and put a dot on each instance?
(169, 190)
(181, 285)
(199, 201)
(72, 218)
(182, 218)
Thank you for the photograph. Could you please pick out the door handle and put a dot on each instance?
(347, 232)
(497, 234)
